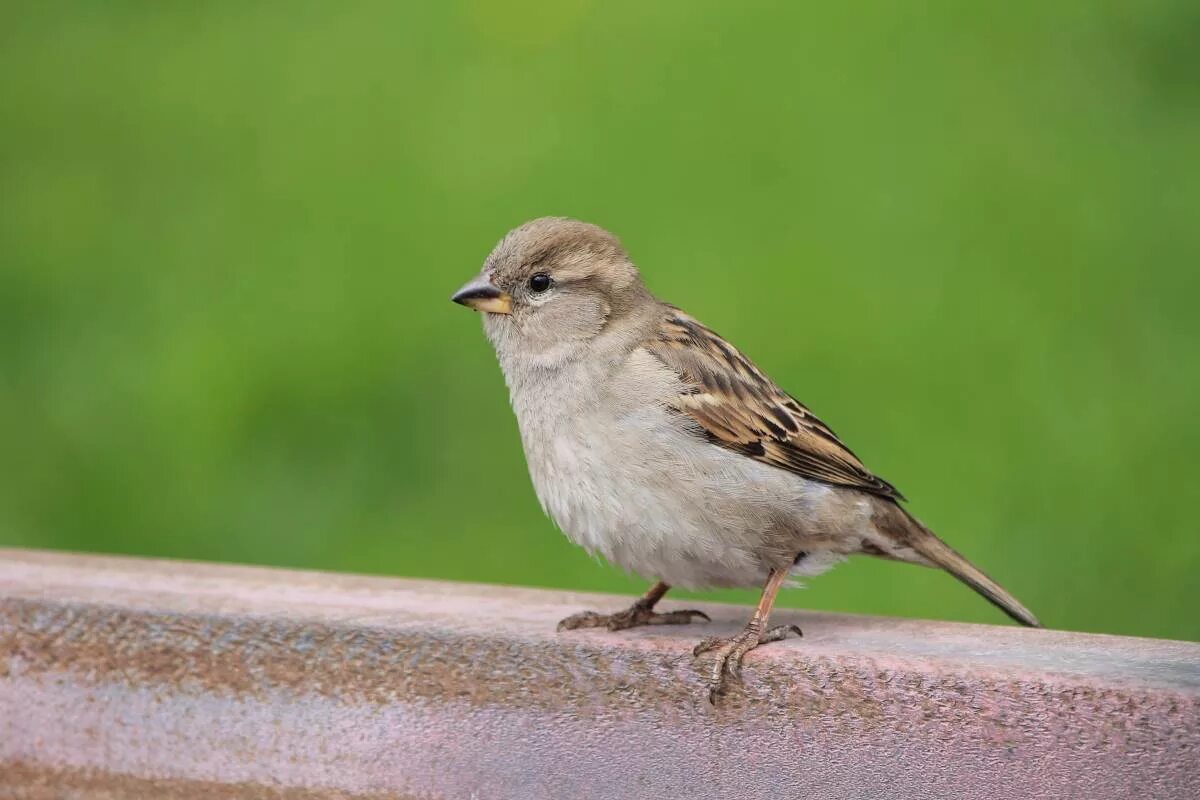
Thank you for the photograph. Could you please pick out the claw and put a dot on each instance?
(780, 632)
(630, 618)
(731, 651)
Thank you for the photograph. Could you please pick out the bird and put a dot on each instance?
(654, 443)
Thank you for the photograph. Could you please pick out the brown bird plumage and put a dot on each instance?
(742, 409)
(655, 443)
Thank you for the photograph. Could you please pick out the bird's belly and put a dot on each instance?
(654, 500)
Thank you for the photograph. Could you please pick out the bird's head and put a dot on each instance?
(552, 285)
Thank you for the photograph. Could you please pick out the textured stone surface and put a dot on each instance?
(124, 678)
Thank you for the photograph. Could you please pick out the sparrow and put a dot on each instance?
(655, 443)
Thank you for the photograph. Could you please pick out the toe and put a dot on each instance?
(780, 632)
(619, 622)
(678, 617)
(706, 644)
(733, 664)
(727, 666)
(716, 680)
(584, 619)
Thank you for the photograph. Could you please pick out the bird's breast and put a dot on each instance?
(584, 473)
(586, 430)
(626, 478)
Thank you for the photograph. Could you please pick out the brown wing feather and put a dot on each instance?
(741, 409)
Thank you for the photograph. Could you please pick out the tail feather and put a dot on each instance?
(926, 543)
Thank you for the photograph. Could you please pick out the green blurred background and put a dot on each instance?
(965, 235)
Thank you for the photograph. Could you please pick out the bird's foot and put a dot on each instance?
(632, 617)
(731, 650)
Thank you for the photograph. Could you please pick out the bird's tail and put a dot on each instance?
(908, 532)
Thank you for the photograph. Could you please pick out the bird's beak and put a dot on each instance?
(481, 295)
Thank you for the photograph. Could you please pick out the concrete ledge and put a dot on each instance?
(126, 678)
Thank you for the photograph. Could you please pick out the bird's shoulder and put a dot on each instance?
(738, 407)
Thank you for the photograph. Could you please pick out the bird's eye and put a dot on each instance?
(539, 283)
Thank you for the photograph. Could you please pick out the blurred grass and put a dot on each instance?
(964, 235)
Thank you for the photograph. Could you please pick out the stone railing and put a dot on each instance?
(127, 678)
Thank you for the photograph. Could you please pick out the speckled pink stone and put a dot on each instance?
(138, 678)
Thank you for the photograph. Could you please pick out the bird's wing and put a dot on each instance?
(741, 409)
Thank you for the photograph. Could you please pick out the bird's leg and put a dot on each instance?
(730, 651)
(640, 613)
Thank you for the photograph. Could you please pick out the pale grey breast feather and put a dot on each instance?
(628, 478)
